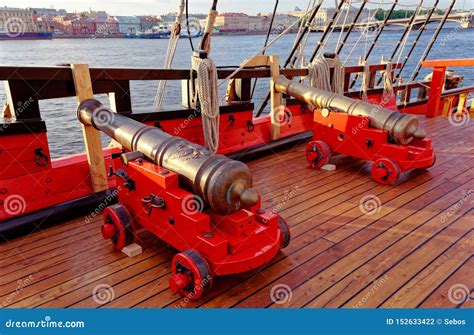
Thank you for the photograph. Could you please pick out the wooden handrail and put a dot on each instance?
(448, 62)
(457, 91)
(63, 73)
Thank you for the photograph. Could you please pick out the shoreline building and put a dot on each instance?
(324, 15)
(128, 24)
(106, 26)
(232, 22)
(16, 20)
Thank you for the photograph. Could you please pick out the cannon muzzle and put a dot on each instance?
(401, 127)
(225, 184)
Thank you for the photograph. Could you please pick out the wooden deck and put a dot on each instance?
(409, 252)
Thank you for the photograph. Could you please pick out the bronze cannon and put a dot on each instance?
(402, 128)
(225, 184)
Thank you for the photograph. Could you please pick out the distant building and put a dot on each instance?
(283, 21)
(107, 26)
(48, 11)
(16, 20)
(238, 22)
(256, 23)
(326, 14)
(45, 23)
(81, 26)
(128, 24)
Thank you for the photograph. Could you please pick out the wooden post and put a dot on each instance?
(275, 98)
(447, 106)
(436, 88)
(95, 156)
(461, 104)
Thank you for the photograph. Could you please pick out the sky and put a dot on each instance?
(144, 7)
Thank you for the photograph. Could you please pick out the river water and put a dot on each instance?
(64, 131)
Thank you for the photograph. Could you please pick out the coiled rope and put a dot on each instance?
(319, 74)
(206, 91)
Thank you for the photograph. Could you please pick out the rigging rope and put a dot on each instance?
(404, 43)
(388, 92)
(365, 32)
(207, 92)
(301, 48)
(343, 28)
(173, 43)
(365, 79)
(242, 65)
(323, 43)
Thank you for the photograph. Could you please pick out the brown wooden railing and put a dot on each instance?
(29, 83)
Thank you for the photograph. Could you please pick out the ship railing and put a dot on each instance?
(33, 84)
(443, 102)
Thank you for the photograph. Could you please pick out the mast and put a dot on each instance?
(204, 44)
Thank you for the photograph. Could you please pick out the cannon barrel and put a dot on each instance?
(401, 127)
(225, 184)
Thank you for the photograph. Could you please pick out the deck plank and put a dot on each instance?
(336, 256)
(397, 242)
(369, 232)
(461, 279)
